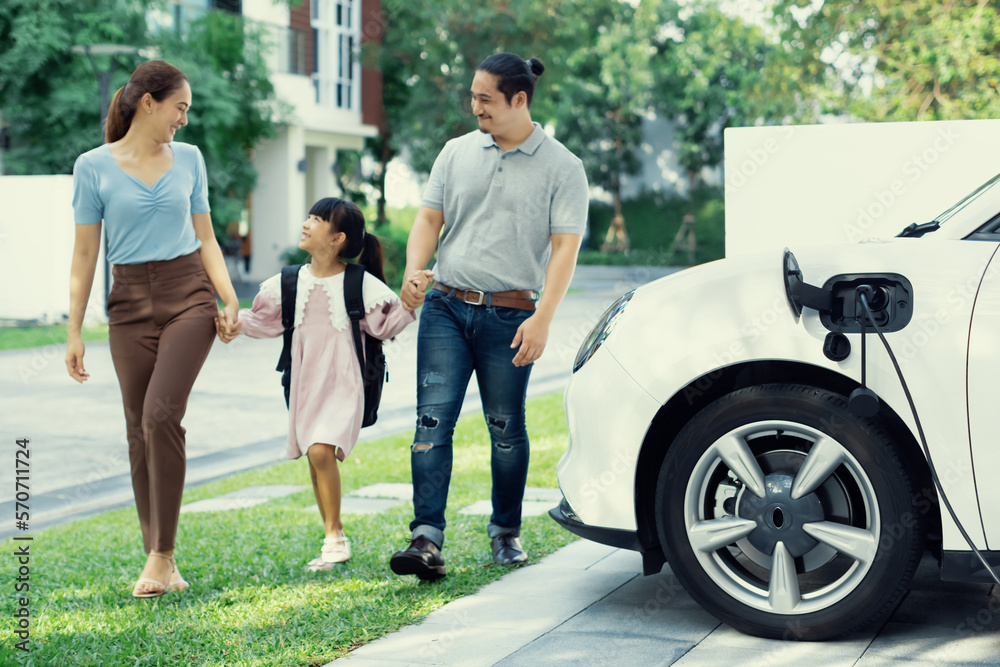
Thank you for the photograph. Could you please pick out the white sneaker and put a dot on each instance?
(336, 549)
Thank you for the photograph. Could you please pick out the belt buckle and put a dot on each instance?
(482, 297)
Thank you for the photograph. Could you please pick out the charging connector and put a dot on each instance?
(863, 402)
(878, 299)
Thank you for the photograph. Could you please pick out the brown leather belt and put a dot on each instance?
(522, 298)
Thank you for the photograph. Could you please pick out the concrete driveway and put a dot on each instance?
(236, 417)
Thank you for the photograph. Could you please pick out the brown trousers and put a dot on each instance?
(161, 317)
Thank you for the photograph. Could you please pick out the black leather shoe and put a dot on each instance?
(421, 558)
(507, 550)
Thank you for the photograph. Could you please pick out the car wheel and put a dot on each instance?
(787, 517)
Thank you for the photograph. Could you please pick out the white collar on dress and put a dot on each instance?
(373, 291)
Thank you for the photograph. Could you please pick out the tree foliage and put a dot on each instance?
(599, 107)
(50, 99)
(49, 95)
(428, 58)
(609, 64)
(433, 50)
(898, 60)
(716, 71)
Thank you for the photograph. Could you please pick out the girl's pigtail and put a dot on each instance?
(372, 257)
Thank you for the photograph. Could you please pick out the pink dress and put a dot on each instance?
(326, 400)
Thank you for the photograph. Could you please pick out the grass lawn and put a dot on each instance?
(12, 338)
(251, 601)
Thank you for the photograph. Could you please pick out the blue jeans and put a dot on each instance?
(455, 339)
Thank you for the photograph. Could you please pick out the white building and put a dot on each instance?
(336, 104)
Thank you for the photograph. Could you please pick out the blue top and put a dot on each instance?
(142, 223)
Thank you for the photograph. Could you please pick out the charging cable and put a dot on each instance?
(920, 431)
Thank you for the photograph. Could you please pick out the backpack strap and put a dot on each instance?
(355, 303)
(289, 287)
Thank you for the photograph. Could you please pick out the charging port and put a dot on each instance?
(879, 300)
(889, 296)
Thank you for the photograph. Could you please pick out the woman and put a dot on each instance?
(152, 195)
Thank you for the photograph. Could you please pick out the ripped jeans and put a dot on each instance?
(455, 339)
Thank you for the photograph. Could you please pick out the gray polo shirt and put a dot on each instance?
(501, 208)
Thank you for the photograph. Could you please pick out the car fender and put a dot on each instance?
(679, 332)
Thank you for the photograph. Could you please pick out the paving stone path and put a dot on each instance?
(370, 499)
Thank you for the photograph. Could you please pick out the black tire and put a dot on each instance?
(782, 548)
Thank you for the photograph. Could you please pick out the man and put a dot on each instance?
(509, 204)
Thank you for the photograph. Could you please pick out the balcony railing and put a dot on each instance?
(286, 46)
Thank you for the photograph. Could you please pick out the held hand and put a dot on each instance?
(422, 279)
(531, 336)
(220, 331)
(227, 324)
(414, 286)
(232, 312)
(74, 359)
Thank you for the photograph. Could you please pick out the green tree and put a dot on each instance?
(233, 107)
(714, 71)
(899, 61)
(601, 104)
(428, 58)
(49, 96)
(385, 146)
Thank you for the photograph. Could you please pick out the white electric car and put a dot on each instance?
(746, 422)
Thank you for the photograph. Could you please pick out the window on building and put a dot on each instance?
(183, 12)
(295, 52)
(177, 14)
(334, 31)
(231, 6)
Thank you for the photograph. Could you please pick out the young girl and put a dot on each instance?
(326, 397)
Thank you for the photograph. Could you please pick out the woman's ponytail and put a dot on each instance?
(119, 117)
(372, 257)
